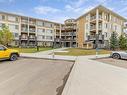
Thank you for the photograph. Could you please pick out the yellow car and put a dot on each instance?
(10, 54)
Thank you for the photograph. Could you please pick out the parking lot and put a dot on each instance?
(114, 62)
(33, 76)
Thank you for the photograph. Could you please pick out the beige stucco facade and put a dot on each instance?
(96, 27)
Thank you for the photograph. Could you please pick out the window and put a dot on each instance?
(86, 26)
(13, 27)
(16, 35)
(49, 37)
(106, 34)
(16, 42)
(106, 25)
(40, 23)
(12, 18)
(41, 30)
(2, 17)
(111, 26)
(49, 31)
(43, 37)
(46, 24)
(2, 48)
(115, 27)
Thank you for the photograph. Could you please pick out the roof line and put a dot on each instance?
(106, 9)
(28, 17)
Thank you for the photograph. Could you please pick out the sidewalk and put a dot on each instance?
(56, 57)
(89, 77)
(49, 51)
(45, 55)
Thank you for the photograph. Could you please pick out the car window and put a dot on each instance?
(2, 48)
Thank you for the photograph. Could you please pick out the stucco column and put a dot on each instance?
(89, 25)
(28, 26)
(97, 20)
(97, 24)
(103, 28)
(60, 30)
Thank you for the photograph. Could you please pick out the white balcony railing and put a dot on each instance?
(94, 27)
(94, 17)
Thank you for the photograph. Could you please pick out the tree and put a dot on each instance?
(6, 36)
(114, 43)
(122, 42)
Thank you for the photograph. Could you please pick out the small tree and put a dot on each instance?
(6, 37)
(122, 42)
(114, 43)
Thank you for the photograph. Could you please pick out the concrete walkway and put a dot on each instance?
(45, 55)
(45, 52)
(56, 57)
(89, 77)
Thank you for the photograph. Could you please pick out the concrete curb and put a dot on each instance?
(47, 58)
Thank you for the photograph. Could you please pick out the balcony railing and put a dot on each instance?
(32, 22)
(32, 30)
(24, 38)
(94, 17)
(24, 21)
(24, 29)
(93, 37)
(94, 27)
(32, 38)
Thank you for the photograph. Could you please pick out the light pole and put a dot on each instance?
(53, 54)
(96, 45)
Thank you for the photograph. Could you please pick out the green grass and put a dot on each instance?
(31, 50)
(80, 52)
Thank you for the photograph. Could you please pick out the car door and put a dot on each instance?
(124, 55)
(3, 53)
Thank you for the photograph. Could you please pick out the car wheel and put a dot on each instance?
(13, 57)
(116, 56)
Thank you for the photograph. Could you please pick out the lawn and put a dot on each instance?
(80, 52)
(32, 50)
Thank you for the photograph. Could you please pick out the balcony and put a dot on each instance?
(70, 27)
(63, 34)
(57, 34)
(24, 29)
(32, 38)
(100, 27)
(93, 37)
(24, 21)
(94, 27)
(92, 18)
(32, 22)
(32, 30)
(24, 38)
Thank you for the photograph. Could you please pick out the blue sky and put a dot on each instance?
(59, 10)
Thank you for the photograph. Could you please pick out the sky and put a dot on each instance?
(59, 10)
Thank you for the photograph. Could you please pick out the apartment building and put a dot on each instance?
(28, 31)
(66, 37)
(95, 27)
(91, 30)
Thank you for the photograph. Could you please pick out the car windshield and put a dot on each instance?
(2, 48)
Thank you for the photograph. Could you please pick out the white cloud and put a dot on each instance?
(78, 3)
(123, 10)
(45, 10)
